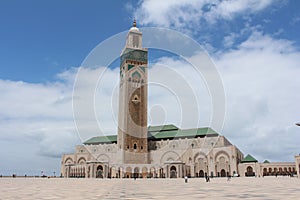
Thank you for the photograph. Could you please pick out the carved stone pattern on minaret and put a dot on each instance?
(137, 110)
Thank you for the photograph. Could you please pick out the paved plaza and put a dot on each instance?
(218, 188)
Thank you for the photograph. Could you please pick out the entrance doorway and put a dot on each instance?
(136, 173)
(250, 171)
(223, 173)
(99, 173)
(173, 173)
(128, 172)
(201, 173)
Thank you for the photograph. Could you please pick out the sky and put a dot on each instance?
(254, 46)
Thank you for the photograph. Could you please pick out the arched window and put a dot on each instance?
(134, 146)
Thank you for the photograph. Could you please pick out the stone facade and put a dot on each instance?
(211, 155)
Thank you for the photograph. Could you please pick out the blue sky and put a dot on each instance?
(254, 44)
(40, 39)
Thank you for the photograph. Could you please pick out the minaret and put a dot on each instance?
(132, 118)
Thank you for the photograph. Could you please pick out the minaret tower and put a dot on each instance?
(132, 119)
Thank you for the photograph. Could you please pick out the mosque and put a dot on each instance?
(165, 151)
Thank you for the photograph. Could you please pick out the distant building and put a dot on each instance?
(249, 166)
(163, 151)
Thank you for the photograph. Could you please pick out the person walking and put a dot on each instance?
(185, 179)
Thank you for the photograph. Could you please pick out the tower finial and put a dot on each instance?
(134, 23)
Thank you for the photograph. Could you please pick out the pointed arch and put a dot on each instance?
(169, 156)
(69, 160)
(199, 155)
(220, 153)
(136, 75)
(81, 161)
(103, 158)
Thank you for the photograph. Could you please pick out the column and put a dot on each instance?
(93, 169)
(68, 171)
(179, 171)
(192, 170)
(167, 171)
(106, 171)
(121, 173)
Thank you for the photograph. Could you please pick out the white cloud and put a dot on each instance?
(165, 13)
(182, 93)
(34, 100)
(229, 9)
(267, 43)
(185, 15)
(261, 80)
(229, 39)
(36, 124)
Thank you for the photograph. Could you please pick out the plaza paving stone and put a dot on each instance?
(196, 188)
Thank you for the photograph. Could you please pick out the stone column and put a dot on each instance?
(297, 162)
(93, 171)
(120, 172)
(179, 172)
(68, 171)
(158, 172)
(167, 172)
(192, 170)
(107, 171)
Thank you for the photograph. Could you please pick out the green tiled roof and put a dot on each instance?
(195, 132)
(167, 127)
(266, 161)
(102, 139)
(248, 158)
(160, 132)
